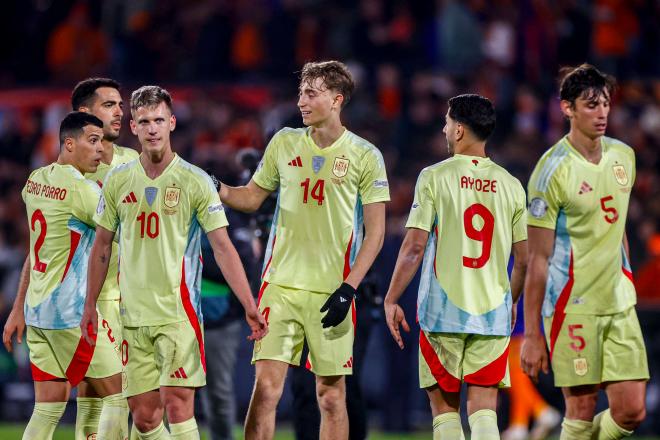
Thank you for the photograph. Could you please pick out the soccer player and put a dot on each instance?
(331, 183)
(60, 206)
(579, 275)
(468, 215)
(162, 204)
(101, 97)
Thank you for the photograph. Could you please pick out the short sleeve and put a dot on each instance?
(545, 200)
(85, 201)
(210, 212)
(374, 186)
(106, 210)
(267, 175)
(519, 215)
(422, 213)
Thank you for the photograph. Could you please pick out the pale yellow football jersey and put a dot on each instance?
(318, 226)
(161, 223)
(586, 205)
(474, 210)
(120, 155)
(60, 205)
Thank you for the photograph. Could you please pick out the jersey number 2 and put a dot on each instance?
(484, 235)
(38, 216)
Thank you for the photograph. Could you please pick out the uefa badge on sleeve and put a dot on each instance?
(538, 207)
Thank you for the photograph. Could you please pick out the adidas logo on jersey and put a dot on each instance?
(296, 162)
(130, 198)
(179, 374)
(585, 188)
(349, 363)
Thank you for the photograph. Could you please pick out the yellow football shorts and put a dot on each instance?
(447, 359)
(294, 316)
(110, 322)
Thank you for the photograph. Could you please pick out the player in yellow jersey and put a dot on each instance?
(579, 274)
(61, 204)
(101, 97)
(332, 188)
(467, 217)
(162, 204)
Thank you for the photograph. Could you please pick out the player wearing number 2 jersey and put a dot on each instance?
(332, 185)
(162, 204)
(580, 278)
(467, 216)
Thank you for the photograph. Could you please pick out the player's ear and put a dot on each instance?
(338, 101)
(133, 126)
(68, 144)
(84, 109)
(566, 108)
(459, 131)
(172, 122)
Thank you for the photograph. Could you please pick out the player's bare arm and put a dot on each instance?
(374, 235)
(518, 276)
(534, 357)
(16, 320)
(99, 260)
(230, 264)
(407, 263)
(247, 198)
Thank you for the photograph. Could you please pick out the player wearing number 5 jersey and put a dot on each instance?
(468, 215)
(580, 278)
(161, 205)
(332, 188)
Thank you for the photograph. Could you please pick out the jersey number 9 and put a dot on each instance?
(484, 235)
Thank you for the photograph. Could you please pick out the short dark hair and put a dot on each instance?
(335, 76)
(73, 124)
(584, 81)
(150, 96)
(84, 92)
(475, 111)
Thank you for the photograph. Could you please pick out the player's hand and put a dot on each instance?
(534, 357)
(89, 324)
(394, 317)
(257, 324)
(15, 324)
(338, 305)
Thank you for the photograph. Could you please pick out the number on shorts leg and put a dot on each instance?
(124, 352)
(106, 325)
(581, 343)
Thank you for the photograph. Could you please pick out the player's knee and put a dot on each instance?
(267, 391)
(331, 399)
(582, 407)
(629, 415)
(145, 420)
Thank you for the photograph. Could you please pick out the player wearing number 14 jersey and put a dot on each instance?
(468, 215)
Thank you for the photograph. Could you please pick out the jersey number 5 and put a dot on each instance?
(611, 213)
(484, 235)
(38, 216)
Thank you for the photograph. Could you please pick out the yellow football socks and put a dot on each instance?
(605, 428)
(113, 423)
(44, 420)
(88, 414)
(447, 426)
(572, 429)
(158, 433)
(185, 430)
(483, 425)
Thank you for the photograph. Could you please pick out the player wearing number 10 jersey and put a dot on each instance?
(467, 216)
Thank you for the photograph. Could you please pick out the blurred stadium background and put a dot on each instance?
(231, 67)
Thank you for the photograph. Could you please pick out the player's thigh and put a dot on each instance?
(180, 356)
(281, 307)
(624, 352)
(441, 360)
(486, 362)
(138, 359)
(110, 322)
(330, 349)
(577, 349)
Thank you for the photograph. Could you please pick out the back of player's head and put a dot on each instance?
(474, 111)
(335, 76)
(584, 81)
(73, 124)
(150, 96)
(84, 92)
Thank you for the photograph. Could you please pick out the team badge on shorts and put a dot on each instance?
(257, 346)
(317, 163)
(340, 167)
(150, 194)
(172, 195)
(580, 366)
(620, 174)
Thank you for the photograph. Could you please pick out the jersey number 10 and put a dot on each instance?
(149, 223)
(484, 235)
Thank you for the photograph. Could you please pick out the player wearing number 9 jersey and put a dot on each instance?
(467, 216)
(580, 278)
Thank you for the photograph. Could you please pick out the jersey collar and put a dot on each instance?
(329, 148)
(580, 157)
(144, 173)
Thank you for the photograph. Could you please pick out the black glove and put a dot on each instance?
(338, 305)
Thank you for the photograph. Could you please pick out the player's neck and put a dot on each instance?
(326, 134)
(155, 163)
(108, 151)
(590, 148)
(64, 159)
(477, 149)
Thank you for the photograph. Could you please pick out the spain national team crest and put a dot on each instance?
(620, 174)
(580, 366)
(340, 167)
(172, 195)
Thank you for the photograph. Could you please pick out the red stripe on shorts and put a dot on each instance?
(38, 375)
(192, 316)
(491, 374)
(560, 307)
(445, 380)
(81, 359)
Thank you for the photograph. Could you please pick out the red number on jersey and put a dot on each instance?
(106, 325)
(580, 340)
(317, 190)
(611, 213)
(38, 216)
(484, 235)
(149, 222)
